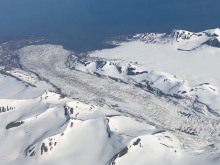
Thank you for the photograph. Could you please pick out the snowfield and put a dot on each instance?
(180, 53)
(56, 130)
(153, 99)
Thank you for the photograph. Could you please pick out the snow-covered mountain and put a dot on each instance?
(153, 99)
(183, 37)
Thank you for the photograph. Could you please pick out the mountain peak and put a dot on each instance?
(191, 40)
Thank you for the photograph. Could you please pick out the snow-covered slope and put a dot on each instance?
(34, 130)
(181, 57)
(51, 130)
(198, 87)
(153, 99)
(187, 40)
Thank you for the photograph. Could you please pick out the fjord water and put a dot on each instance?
(81, 25)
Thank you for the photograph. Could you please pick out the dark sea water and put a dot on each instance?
(82, 25)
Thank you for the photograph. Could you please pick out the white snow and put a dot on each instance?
(192, 68)
(75, 132)
(103, 121)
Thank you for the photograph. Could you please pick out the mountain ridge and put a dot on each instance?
(170, 37)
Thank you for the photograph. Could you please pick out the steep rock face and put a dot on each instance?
(213, 42)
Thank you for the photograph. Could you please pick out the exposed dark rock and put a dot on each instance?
(123, 152)
(161, 131)
(14, 124)
(97, 74)
(166, 145)
(188, 50)
(213, 42)
(185, 114)
(31, 150)
(33, 153)
(43, 148)
(119, 69)
(136, 142)
(100, 64)
(71, 110)
(189, 131)
(130, 71)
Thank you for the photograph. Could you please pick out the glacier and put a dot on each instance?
(152, 99)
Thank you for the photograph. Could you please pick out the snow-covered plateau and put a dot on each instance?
(152, 99)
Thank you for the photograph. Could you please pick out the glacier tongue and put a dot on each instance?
(146, 102)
